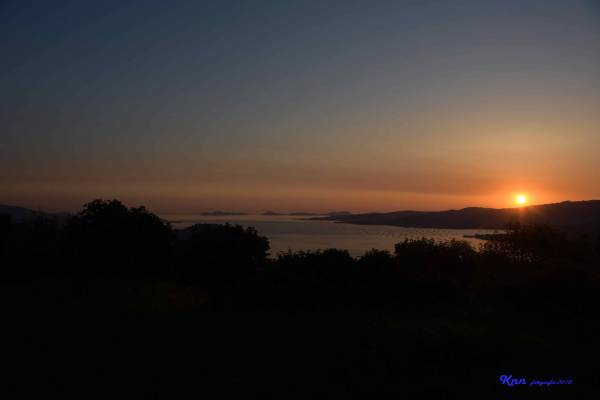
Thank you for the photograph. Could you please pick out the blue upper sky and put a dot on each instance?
(189, 105)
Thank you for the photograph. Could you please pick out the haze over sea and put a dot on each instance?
(297, 233)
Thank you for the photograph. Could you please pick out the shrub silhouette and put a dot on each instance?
(7, 256)
(211, 254)
(378, 266)
(445, 263)
(31, 249)
(324, 266)
(379, 262)
(541, 254)
(6, 226)
(307, 277)
(379, 276)
(526, 243)
(108, 237)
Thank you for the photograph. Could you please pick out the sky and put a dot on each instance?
(188, 106)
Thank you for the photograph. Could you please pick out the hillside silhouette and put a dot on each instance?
(18, 213)
(568, 214)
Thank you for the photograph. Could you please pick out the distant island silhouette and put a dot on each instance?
(568, 214)
(294, 214)
(221, 213)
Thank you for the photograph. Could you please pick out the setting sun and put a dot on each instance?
(521, 199)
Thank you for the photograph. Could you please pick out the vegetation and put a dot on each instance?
(107, 238)
(214, 293)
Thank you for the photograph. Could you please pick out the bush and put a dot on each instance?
(6, 227)
(445, 263)
(539, 254)
(30, 249)
(322, 265)
(212, 254)
(107, 237)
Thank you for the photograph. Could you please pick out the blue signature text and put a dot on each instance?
(509, 380)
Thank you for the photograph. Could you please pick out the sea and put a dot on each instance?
(299, 233)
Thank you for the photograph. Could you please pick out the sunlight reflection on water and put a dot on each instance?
(285, 232)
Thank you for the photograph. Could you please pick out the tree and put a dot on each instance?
(212, 254)
(432, 263)
(107, 237)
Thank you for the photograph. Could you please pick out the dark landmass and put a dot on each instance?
(339, 213)
(304, 214)
(221, 213)
(568, 214)
(294, 214)
(18, 213)
(21, 214)
(271, 213)
(116, 301)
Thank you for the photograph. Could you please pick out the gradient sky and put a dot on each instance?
(189, 106)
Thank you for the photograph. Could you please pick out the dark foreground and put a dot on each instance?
(113, 303)
(169, 342)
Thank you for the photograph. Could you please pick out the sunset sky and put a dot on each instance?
(188, 106)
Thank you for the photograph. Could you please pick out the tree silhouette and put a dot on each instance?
(107, 237)
(6, 226)
(211, 254)
(427, 262)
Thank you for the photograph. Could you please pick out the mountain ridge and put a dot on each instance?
(566, 214)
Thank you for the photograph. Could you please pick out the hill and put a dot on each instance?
(20, 214)
(568, 214)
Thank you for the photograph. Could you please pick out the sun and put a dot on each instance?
(521, 199)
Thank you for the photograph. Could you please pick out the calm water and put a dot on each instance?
(285, 232)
